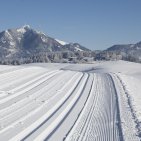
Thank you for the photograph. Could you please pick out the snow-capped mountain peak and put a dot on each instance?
(26, 27)
(23, 29)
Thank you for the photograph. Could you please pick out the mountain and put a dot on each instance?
(126, 47)
(133, 50)
(129, 52)
(24, 42)
(122, 47)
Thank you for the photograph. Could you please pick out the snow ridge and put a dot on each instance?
(61, 42)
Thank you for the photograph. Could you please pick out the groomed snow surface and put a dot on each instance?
(71, 102)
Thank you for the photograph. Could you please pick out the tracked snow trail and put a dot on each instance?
(128, 121)
(58, 105)
(22, 110)
(42, 111)
(98, 120)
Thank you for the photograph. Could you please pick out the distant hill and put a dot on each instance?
(126, 47)
(131, 52)
(121, 47)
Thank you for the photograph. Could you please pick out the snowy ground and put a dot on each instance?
(71, 102)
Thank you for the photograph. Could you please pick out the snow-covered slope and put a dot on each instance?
(61, 42)
(51, 102)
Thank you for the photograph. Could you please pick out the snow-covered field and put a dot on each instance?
(71, 102)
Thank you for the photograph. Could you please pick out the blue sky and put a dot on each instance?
(96, 24)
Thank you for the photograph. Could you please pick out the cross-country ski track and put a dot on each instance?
(39, 104)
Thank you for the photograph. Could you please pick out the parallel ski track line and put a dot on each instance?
(36, 108)
(33, 94)
(84, 130)
(49, 113)
(82, 120)
(76, 126)
(30, 82)
(48, 131)
(28, 105)
(9, 70)
(61, 103)
(13, 75)
(127, 120)
(29, 88)
(15, 84)
(94, 123)
(106, 115)
(41, 93)
(118, 110)
(32, 128)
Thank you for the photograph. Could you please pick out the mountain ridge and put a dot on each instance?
(26, 42)
(28, 38)
(26, 45)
